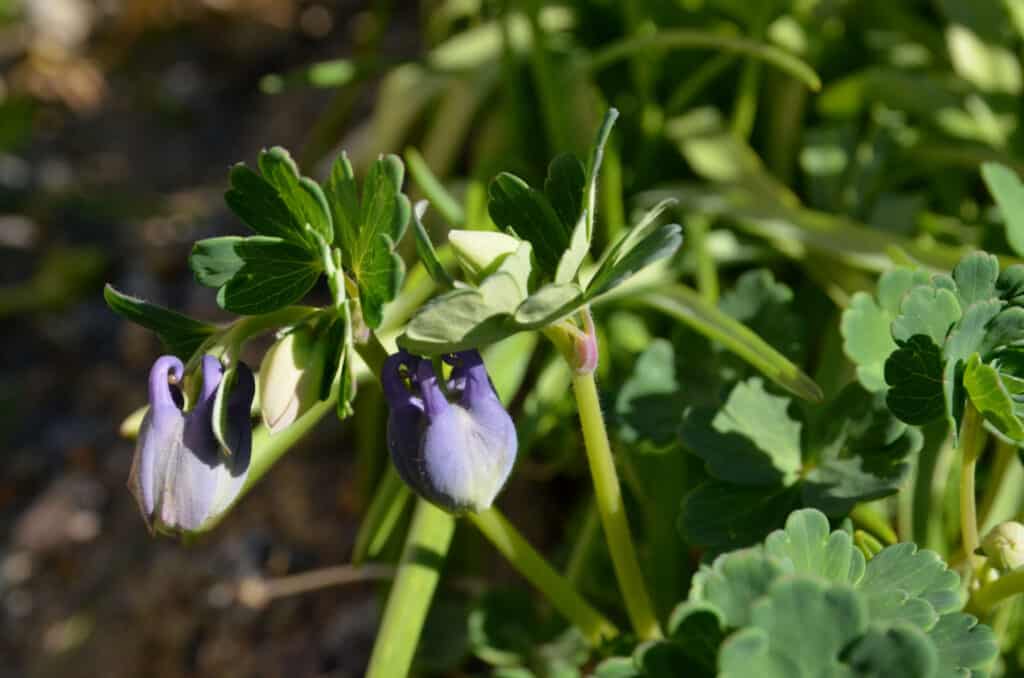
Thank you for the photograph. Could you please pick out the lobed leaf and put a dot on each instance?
(180, 334)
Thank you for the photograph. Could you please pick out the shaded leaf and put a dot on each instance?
(914, 375)
(180, 334)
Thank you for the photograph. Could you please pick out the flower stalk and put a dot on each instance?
(608, 495)
(972, 443)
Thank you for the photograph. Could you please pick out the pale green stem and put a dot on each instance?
(380, 520)
(989, 595)
(590, 531)
(504, 536)
(972, 442)
(608, 495)
(1005, 455)
(426, 547)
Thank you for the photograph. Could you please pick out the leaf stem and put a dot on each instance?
(608, 494)
(426, 547)
(496, 528)
(869, 519)
(992, 593)
(972, 442)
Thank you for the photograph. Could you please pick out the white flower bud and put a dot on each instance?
(1004, 545)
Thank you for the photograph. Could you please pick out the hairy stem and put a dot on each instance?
(426, 547)
(608, 494)
(496, 528)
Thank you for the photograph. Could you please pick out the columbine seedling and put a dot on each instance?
(787, 594)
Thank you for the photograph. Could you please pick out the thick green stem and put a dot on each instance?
(870, 520)
(972, 442)
(999, 479)
(426, 547)
(594, 626)
(989, 595)
(613, 513)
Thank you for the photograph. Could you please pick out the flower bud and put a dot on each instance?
(456, 454)
(179, 476)
(291, 375)
(1004, 545)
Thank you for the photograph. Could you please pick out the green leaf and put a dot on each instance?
(798, 630)
(927, 311)
(180, 334)
(618, 667)
(699, 630)
(685, 304)
(905, 584)
(641, 246)
(723, 516)
(581, 227)
(899, 650)
(808, 547)
(976, 277)
(751, 440)
(988, 393)
(866, 323)
(965, 647)
(914, 375)
(384, 215)
(425, 249)
(765, 305)
(564, 188)
(254, 275)
(343, 198)
(257, 203)
(526, 213)
(303, 196)
(649, 405)
(734, 582)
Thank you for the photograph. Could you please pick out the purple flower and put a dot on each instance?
(456, 454)
(181, 476)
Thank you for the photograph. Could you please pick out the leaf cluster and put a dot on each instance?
(806, 603)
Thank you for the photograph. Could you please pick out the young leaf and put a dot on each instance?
(254, 275)
(369, 230)
(256, 202)
(1005, 186)
(988, 393)
(180, 334)
(425, 249)
(528, 214)
(564, 188)
(302, 195)
(914, 375)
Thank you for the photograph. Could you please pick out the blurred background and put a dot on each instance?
(119, 120)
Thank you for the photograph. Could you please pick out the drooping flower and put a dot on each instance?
(291, 375)
(181, 476)
(455, 453)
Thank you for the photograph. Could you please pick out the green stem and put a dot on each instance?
(595, 627)
(381, 518)
(426, 547)
(707, 272)
(613, 513)
(584, 544)
(997, 482)
(745, 110)
(972, 442)
(681, 38)
(989, 595)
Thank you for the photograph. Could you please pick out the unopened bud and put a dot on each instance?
(291, 376)
(1004, 545)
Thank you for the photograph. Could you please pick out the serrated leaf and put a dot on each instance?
(965, 647)
(1005, 186)
(798, 631)
(751, 440)
(928, 311)
(914, 375)
(993, 400)
(902, 573)
(254, 275)
(180, 334)
(303, 197)
(976, 277)
(343, 198)
(723, 516)
(899, 650)
(516, 207)
(734, 582)
(425, 249)
(809, 547)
